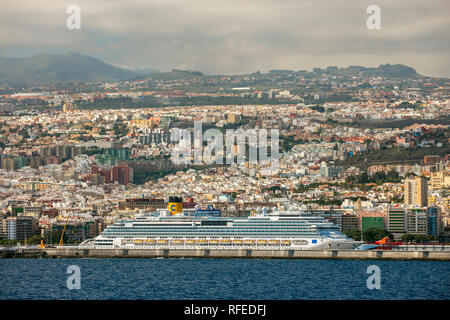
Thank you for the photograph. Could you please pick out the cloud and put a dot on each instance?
(234, 36)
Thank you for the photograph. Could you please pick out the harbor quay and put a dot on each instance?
(73, 252)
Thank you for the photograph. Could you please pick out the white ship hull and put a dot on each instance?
(221, 244)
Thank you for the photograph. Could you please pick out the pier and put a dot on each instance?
(74, 252)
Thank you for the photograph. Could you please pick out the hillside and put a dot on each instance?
(61, 68)
(66, 68)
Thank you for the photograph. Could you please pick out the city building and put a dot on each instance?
(372, 222)
(434, 221)
(142, 203)
(350, 222)
(440, 180)
(396, 221)
(19, 228)
(122, 174)
(416, 221)
(74, 231)
(416, 191)
(431, 159)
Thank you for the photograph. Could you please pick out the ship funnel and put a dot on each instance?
(175, 205)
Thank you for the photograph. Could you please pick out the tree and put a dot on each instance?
(9, 242)
(420, 238)
(374, 234)
(408, 237)
(318, 108)
(120, 129)
(354, 234)
(102, 131)
(397, 199)
(363, 178)
(379, 177)
(36, 239)
(351, 179)
(393, 176)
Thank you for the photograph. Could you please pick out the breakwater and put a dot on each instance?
(74, 252)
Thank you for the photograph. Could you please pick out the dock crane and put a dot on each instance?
(64, 229)
(65, 225)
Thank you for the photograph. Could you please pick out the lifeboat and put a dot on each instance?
(150, 240)
(213, 241)
(225, 241)
(190, 241)
(178, 241)
(287, 242)
(274, 242)
(249, 241)
(202, 241)
(162, 241)
(237, 241)
(261, 241)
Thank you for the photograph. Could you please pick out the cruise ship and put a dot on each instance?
(278, 230)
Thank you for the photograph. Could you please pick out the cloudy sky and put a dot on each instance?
(234, 36)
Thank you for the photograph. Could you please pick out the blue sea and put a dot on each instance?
(218, 279)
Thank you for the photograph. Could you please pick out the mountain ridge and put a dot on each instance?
(46, 68)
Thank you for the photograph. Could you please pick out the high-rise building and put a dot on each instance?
(329, 171)
(107, 174)
(97, 179)
(122, 174)
(233, 118)
(36, 161)
(120, 154)
(95, 169)
(440, 180)
(372, 222)
(416, 191)
(358, 205)
(20, 162)
(19, 228)
(8, 164)
(416, 221)
(350, 222)
(434, 221)
(74, 231)
(396, 221)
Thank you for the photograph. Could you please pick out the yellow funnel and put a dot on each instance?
(175, 205)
